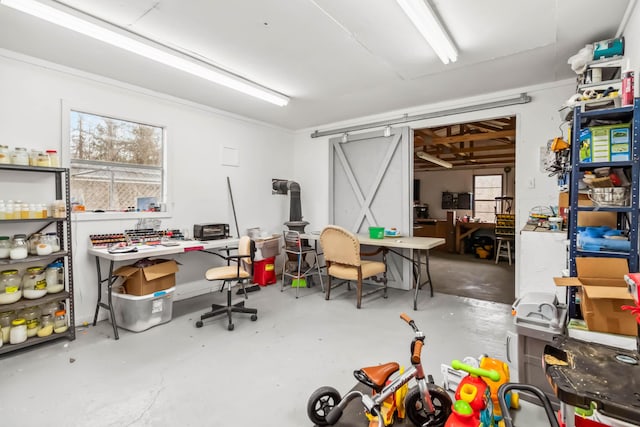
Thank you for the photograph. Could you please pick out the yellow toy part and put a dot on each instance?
(392, 406)
(503, 369)
(559, 144)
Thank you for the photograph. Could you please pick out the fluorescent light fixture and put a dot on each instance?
(425, 20)
(433, 159)
(98, 32)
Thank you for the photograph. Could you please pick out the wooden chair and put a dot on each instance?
(342, 257)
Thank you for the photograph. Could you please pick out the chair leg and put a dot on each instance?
(498, 250)
(318, 270)
(509, 251)
(328, 294)
(359, 287)
(229, 309)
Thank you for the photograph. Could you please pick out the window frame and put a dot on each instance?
(476, 199)
(67, 107)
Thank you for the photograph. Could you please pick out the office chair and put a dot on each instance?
(342, 256)
(231, 274)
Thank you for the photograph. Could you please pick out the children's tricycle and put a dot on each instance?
(426, 404)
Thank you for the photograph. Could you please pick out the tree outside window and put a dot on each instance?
(485, 189)
(115, 163)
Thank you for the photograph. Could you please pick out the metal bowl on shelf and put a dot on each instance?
(609, 196)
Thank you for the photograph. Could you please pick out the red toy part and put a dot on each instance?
(462, 416)
(472, 390)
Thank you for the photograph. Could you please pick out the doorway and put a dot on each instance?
(459, 170)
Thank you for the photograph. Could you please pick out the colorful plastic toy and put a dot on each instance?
(476, 392)
(512, 398)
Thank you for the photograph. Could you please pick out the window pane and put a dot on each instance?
(486, 188)
(114, 161)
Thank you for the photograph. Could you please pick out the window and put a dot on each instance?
(115, 164)
(485, 189)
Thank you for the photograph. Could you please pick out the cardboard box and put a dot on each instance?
(608, 143)
(589, 219)
(149, 279)
(602, 293)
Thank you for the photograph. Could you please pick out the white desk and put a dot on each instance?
(144, 252)
(419, 245)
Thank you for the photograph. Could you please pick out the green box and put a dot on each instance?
(376, 232)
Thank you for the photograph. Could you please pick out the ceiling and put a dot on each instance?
(473, 145)
(336, 59)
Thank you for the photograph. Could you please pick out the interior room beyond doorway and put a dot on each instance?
(459, 171)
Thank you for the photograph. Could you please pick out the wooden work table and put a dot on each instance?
(466, 229)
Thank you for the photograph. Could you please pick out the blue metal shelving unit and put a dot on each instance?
(628, 214)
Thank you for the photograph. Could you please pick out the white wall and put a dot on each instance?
(632, 46)
(536, 123)
(434, 183)
(30, 107)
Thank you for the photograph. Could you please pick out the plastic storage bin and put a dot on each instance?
(139, 313)
(376, 232)
(267, 247)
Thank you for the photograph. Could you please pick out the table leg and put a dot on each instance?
(109, 305)
(416, 268)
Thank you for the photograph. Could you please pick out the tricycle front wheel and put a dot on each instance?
(320, 403)
(418, 413)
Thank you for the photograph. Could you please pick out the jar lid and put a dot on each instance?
(9, 272)
(4, 237)
(35, 269)
(56, 264)
(19, 236)
(61, 312)
(51, 151)
(18, 322)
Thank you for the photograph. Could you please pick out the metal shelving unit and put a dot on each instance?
(63, 230)
(627, 215)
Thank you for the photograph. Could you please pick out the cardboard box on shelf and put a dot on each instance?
(148, 276)
(602, 293)
(589, 219)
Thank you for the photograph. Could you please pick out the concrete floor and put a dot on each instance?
(259, 374)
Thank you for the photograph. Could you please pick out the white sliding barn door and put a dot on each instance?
(370, 185)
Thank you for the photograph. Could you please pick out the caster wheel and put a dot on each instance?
(230, 327)
(254, 317)
(199, 324)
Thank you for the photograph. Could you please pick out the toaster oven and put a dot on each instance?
(210, 231)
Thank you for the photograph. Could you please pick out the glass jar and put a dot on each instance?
(59, 209)
(54, 158)
(33, 157)
(42, 160)
(34, 284)
(54, 275)
(33, 242)
(24, 211)
(31, 315)
(18, 332)
(5, 247)
(60, 322)
(10, 286)
(46, 325)
(5, 325)
(51, 308)
(20, 156)
(5, 154)
(19, 248)
(52, 240)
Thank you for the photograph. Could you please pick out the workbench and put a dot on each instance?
(584, 373)
(466, 229)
